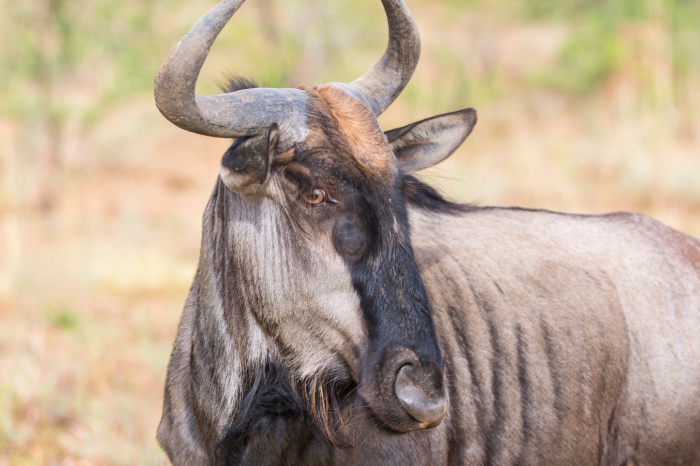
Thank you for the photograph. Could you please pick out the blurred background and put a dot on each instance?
(584, 106)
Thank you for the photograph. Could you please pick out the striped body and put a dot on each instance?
(569, 340)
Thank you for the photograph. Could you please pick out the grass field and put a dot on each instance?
(584, 107)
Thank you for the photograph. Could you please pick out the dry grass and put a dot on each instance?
(98, 280)
(96, 257)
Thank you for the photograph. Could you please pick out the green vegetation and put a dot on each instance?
(607, 35)
(64, 58)
(64, 318)
(51, 45)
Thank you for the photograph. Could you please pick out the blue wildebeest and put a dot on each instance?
(344, 313)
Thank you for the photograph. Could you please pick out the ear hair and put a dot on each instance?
(428, 142)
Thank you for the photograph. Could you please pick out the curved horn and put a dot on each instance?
(244, 113)
(250, 112)
(382, 84)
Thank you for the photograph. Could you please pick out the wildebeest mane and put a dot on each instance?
(233, 82)
(423, 196)
(275, 401)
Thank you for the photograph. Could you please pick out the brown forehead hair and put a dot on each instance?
(346, 124)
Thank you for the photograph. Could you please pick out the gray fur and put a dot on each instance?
(607, 312)
(569, 340)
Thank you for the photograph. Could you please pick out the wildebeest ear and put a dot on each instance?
(428, 142)
(245, 166)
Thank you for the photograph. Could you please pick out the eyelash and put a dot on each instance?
(316, 197)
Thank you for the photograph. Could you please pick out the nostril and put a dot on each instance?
(421, 393)
(405, 391)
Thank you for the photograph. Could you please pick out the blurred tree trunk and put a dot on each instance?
(267, 9)
(310, 27)
(9, 215)
(49, 54)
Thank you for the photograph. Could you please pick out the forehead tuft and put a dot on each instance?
(350, 126)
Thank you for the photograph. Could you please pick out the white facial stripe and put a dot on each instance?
(297, 286)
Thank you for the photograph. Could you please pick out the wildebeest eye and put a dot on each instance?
(314, 197)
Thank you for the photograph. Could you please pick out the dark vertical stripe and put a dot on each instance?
(525, 392)
(457, 393)
(498, 286)
(554, 371)
(601, 446)
(232, 282)
(499, 403)
(458, 435)
(467, 351)
(493, 431)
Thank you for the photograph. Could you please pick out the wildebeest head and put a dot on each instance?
(309, 222)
